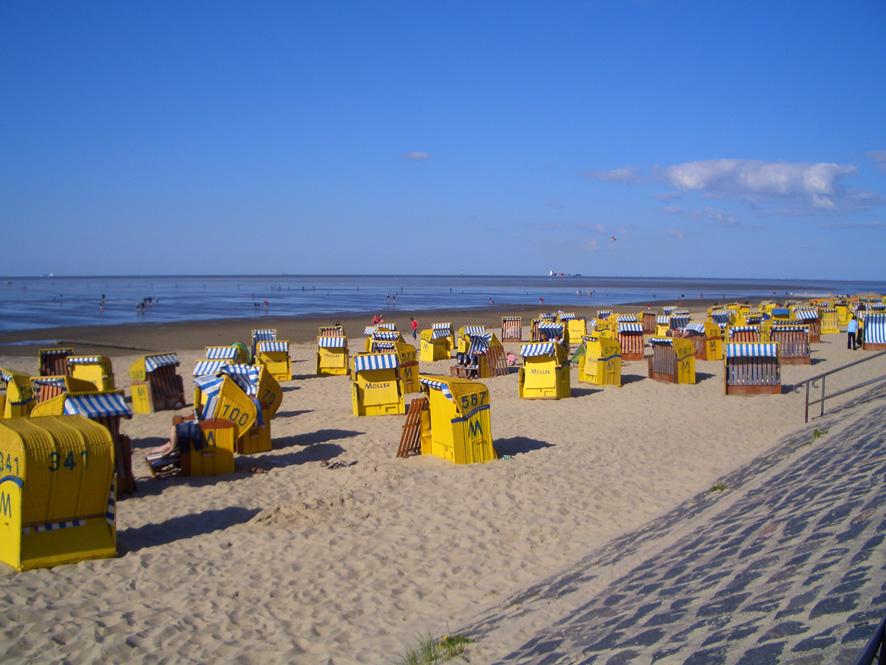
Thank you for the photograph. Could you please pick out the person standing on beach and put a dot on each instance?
(414, 325)
(852, 331)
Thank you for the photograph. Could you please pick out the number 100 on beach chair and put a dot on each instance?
(57, 502)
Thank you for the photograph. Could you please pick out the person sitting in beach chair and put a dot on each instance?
(166, 459)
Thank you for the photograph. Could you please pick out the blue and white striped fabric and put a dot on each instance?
(376, 361)
(387, 326)
(663, 320)
(436, 385)
(535, 349)
(474, 330)
(680, 312)
(753, 318)
(97, 405)
(56, 352)
(368, 330)
(440, 333)
(553, 328)
(111, 508)
(669, 309)
(661, 340)
(221, 352)
(479, 344)
(781, 311)
(695, 327)
(751, 350)
(379, 345)
(161, 360)
(877, 306)
(57, 381)
(388, 335)
(83, 360)
(5, 376)
(245, 376)
(679, 322)
(737, 329)
(547, 316)
(52, 526)
(806, 314)
(627, 318)
(875, 329)
(263, 334)
(210, 387)
(209, 367)
(787, 328)
(273, 346)
(332, 342)
(604, 313)
(567, 316)
(447, 326)
(591, 325)
(721, 316)
(630, 328)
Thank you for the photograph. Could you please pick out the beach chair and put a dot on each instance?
(678, 324)
(793, 343)
(464, 334)
(484, 357)
(209, 367)
(106, 409)
(435, 345)
(780, 314)
(874, 337)
(745, 334)
(46, 387)
(376, 389)
(331, 331)
(53, 361)
(261, 387)
(574, 326)
(630, 339)
(408, 370)
(274, 354)
(94, 369)
(57, 492)
(808, 316)
(511, 329)
(545, 371)
(229, 352)
(155, 386)
(444, 330)
(695, 333)
(382, 335)
(259, 335)
(829, 322)
(600, 364)
(549, 331)
(649, 319)
(457, 427)
(662, 325)
(332, 355)
(752, 369)
(17, 398)
(844, 314)
(223, 398)
(672, 360)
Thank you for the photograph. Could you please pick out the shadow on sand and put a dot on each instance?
(517, 445)
(182, 527)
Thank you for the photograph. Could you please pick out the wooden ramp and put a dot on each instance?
(410, 440)
(498, 361)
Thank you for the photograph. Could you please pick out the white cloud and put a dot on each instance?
(624, 174)
(591, 245)
(818, 183)
(675, 233)
(879, 156)
(418, 155)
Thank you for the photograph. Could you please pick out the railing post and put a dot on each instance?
(807, 403)
(822, 395)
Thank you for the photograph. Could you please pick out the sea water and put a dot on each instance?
(33, 303)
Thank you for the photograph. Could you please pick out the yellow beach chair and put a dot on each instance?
(600, 364)
(672, 360)
(376, 389)
(154, 384)
(53, 361)
(545, 371)
(457, 425)
(332, 355)
(94, 369)
(17, 398)
(274, 354)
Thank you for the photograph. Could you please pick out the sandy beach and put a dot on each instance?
(289, 561)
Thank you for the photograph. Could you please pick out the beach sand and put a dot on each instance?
(299, 563)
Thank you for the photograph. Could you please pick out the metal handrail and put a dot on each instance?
(813, 382)
(877, 644)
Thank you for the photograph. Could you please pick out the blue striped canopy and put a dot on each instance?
(736, 329)
(669, 309)
(875, 329)
(5, 376)
(273, 346)
(264, 334)
(440, 333)
(332, 342)
(389, 335)
(57, 381)
(387, 326)
(592, 324)
(97, 405)
(378, 345)
(437, 385)
(210, 387)
(56, 352)
(556, 328)
(83, 360)
(753, 318)
(209, 367)
(368, 330)
(221, 352)
(680, 312)
(695, 327)
(627, 318)
(369, 361)
(721, 316)
(679, 322)
(806, 314)
(790, 328)
(474, 330)
(877, 306)
(662, 340)
(441, 326)
(480, 343)
(766, 350)
(663, 320)
(567, 316)
(630, 328)
(160, 360)
(534, 349)
(604, 313)
(245, 376)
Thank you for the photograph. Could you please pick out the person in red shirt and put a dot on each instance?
(414, 325)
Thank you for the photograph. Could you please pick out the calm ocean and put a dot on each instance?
(33, 303)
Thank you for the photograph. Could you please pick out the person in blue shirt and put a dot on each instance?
(852, 330)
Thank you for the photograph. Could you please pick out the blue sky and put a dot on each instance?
(707, 138)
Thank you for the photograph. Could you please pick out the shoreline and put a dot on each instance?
(124, 338)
